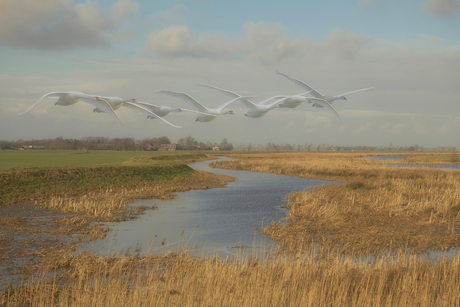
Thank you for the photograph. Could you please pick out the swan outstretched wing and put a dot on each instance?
(51, 95)
(363, 89)
(278, 99)
(326, 104)
(244, 99)
(197, 112)
(304, 85)
(135, 106)
(103, 105)
(147, 105)
(225, 92)
(185, 97)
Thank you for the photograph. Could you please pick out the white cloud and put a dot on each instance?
(442, 7)
(59, 24)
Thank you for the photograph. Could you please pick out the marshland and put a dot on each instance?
(363, 242)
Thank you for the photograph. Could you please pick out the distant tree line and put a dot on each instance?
(103, 143)
(329, 147)
(190, 143)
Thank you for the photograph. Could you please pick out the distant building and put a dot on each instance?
(167, 147)
(215, 148)
(28, 147)
(150, 147)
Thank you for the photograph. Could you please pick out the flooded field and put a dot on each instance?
(226, 220)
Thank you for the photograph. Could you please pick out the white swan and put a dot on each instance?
(255, 110)
(162, 111)
(295, 102)
(72, 97)
(209, 113)
(117, 102)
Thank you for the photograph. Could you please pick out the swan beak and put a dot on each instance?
(133, 100)
(281, 106)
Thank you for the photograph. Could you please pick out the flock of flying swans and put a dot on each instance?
(108, 105)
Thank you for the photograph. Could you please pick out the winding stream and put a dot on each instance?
(223, 220)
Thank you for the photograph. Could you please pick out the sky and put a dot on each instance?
(409, 51)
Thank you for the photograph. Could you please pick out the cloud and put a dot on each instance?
(59, 24)
(263, 42)
(442, 7)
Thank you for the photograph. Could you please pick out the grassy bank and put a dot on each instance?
(378, 208)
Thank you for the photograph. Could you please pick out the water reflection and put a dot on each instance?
(221, 220)
(393, 157)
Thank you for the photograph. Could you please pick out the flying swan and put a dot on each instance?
(162, 111)
(117, 102)
(292, 103)
(209, 113)
(255, 110)
(72, 97)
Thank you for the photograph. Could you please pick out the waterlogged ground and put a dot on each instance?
(226, 220)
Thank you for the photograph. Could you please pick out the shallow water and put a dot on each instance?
(438, 166)
(400, 157)
(218, 220)
(393, 157)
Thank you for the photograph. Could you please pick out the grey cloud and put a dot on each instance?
(266, 43)
(442, 7)
(59, 24)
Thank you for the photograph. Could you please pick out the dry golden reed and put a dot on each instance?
(373, 207)
(178, 280)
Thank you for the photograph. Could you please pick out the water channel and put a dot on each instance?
(225, 220)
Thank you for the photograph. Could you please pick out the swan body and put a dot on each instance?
(162, 111)
(207, 114)
(72, 97)
(316, 94)
(255, 110)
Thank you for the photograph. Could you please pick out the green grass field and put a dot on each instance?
(51, 158)
(32, 175)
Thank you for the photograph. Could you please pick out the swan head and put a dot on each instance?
(281, 105)
(343, 97)
(177, 110)
(132, 100)
(230, 112)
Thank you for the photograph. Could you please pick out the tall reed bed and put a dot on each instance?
(302, 280)
(376, 206)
